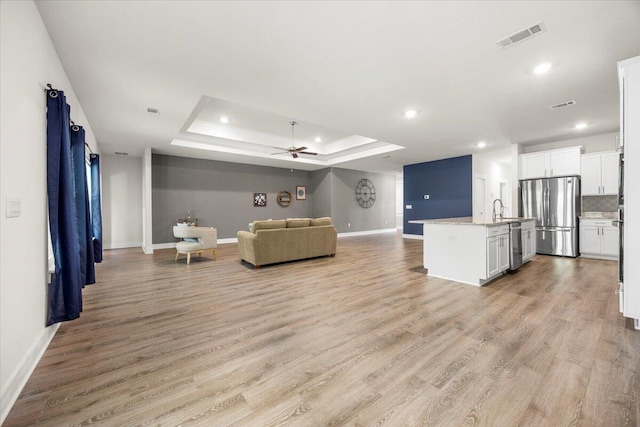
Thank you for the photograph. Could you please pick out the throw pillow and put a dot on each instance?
(321, 221)
(297, 223)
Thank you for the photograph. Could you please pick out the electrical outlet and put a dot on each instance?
(14, 207)
(408, 207)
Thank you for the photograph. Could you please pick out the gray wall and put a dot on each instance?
(220, 194)
(321, 189)
(348, 215)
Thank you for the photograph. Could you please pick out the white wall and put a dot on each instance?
(590, 144)
(28, 61)
(121, 201)
(399, 201)
(496, 166)
(147, 205)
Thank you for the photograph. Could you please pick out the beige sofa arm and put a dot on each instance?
(247, 246)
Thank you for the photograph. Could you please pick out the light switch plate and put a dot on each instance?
(426, 197)
(408, 207)
(13, 207)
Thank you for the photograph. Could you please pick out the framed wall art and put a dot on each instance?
(301, 192)
(259, 199)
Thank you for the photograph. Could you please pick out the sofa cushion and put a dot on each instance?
(298, 222)
(321, 221)
(269, 225)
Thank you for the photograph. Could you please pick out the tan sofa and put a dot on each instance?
(287, 240)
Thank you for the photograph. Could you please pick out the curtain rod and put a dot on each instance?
(73, 125)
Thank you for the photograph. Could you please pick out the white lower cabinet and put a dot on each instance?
(609, 241)
(498, 249)
(465, 251)
(528, 241)
(492, 256)
(598, 239)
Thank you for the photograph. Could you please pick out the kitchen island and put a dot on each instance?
(473, 250)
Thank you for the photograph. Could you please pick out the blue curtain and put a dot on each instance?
(83, 214)
(96, 209)
(65, 298)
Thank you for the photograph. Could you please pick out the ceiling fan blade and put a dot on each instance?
(279, 152)
(308, 152)
(294, 155)
(298, 149)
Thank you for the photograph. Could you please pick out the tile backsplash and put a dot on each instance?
(599, 203)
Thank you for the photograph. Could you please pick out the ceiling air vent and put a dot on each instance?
(120, 153)
(522, 35)
(562, 104)
(152, 110)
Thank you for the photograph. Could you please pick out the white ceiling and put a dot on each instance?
(349, 68)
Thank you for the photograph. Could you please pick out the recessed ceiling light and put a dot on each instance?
(410, 114)
(318, 139)
(542, 68)
(581, 125)
(481, 144)
(224, 119)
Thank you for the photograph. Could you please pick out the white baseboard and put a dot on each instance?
(365, 233)
(412, 236)
(229, 240)
(122, 245)
(12, 388)
(171, 245)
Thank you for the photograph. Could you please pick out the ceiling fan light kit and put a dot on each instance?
(293, 150)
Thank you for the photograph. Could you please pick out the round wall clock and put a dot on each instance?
(284, 198)
(365, 193)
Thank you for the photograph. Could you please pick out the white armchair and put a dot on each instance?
(203, 239)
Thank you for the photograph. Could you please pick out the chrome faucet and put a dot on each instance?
(501, 214)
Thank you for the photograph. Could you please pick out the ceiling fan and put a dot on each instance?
(293, 150)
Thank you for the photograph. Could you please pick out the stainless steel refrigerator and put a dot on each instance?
(555, 203)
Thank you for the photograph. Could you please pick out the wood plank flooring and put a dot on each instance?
(361, 339)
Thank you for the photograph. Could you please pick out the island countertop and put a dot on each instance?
(471, 220)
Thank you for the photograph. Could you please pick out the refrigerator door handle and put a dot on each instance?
(547, 201)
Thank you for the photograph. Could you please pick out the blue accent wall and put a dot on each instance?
(448, 183)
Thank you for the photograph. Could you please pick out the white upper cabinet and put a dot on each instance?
(599, 173)
(610, 164)
(545, 164)
(534, 165)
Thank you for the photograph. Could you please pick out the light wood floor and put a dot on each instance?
(364, 338)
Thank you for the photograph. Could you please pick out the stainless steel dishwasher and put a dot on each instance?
(515, 259)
